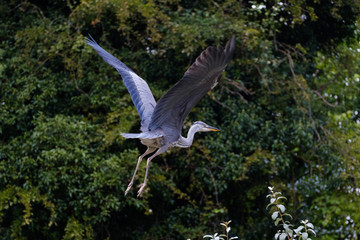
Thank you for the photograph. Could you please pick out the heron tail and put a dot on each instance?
(131, 135)
(143, 135)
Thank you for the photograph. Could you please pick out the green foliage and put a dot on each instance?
(75, 230)
(287, 106)
(17, 198)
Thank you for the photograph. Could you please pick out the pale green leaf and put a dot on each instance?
(283, 236)
(312, 231)
(281, 197)
(275, 215)
(297, 230)
(277, 221)
(286, 227)
(310, 225)
(281, 207)
(304, 236)
(270, 204)
(207, 236)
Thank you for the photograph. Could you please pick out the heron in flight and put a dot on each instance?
(161, 122)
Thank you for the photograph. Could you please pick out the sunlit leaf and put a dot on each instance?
(281, 197)
(275, 215)
(312, 231)
(304, 235)
(282, 236)
(310, 225)
(297, 230)
(281, 207)
(277, 235)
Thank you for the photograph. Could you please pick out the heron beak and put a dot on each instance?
(214, 129)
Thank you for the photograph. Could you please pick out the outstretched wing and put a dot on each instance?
(172, 109)
(139, 90)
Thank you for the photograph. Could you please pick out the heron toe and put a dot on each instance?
(128, 188)
(142, 187)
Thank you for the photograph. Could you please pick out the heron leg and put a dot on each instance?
(159, 151)
(148, 151)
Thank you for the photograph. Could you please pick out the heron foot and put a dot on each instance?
(128, 188)
(142, 187)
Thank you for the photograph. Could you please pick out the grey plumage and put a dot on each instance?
(161, 123)
(139, 90)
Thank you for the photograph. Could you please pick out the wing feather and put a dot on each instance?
(172, 109)
(139, 90)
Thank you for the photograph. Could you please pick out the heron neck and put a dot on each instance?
(187, 142)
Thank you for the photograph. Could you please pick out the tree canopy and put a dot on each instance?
(287, 106)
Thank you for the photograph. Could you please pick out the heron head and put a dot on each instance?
(203, 127)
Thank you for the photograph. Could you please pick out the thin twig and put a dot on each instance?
(324, 100)
(222, 104)
(236, 93)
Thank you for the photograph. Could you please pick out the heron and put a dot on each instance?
(162, 122)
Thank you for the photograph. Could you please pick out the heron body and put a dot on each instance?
(162, 122)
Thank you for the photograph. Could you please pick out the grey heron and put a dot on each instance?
(161, 122)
